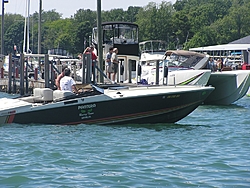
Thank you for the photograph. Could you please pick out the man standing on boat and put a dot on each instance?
(109, 70)
(115, 62)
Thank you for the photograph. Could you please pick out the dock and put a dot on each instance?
(20, 75)
(22, 78)
(15, 87)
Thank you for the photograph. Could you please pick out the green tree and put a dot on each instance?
(130, 14)
(181, 27)
(12, 24)
(147, 22)
(50, 16)
(85, 15)
(58, 34)
(205, 37)
(165, 24)
(14, 36)
(81, 35)
(114, 15)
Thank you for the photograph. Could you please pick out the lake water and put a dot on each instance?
(208, 148)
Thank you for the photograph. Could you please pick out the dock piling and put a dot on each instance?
(22, 75)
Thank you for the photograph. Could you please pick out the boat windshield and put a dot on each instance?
(176, 60)
(186, 61)
(153, 46)
(119, 33)
(153, 63)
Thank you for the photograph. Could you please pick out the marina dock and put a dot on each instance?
(21, 74)
(22, 78)
(15, 87)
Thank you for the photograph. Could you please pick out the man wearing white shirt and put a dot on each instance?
(67, 83)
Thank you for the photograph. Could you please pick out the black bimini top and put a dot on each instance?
(119, 22)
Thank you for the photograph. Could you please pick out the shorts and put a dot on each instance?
(110, 69)
(115, 67)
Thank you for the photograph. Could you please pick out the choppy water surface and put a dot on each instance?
(209, 148)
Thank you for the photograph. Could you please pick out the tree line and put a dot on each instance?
(184, 24)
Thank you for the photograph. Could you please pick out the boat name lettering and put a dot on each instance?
(173, 96)
(86, 106)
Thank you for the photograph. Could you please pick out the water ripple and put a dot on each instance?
(209, 148)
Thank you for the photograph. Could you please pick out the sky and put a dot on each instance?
(69, 7)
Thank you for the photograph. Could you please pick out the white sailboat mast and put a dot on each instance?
(24, 33)
(26, 29)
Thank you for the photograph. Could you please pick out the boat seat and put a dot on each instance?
(61, 95)
(43, 94)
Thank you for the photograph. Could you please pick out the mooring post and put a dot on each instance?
(46, 70)
(138, 72)
(14, 75)
(74, 71)
(129, 71)
(21, 74)
(16, 71)
(165, 74)
(36, 74)
(10, 73)
(99, 33)
(53, 73)
(89, 68)
(2, 72)
(94, 71)
(83, 59)
(26, 76)
(157, 72)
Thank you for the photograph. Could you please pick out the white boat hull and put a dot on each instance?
(178, 77)
(230, 86)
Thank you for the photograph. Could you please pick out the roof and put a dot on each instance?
(222, 47)
(244, 40)
(240, 44)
